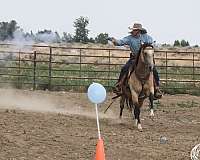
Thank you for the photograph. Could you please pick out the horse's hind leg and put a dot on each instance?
(130, 102)
(122, 100)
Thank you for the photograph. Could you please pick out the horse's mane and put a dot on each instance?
(142, 47)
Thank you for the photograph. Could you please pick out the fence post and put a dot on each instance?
(166, 64)
(19, 70)
(50, 68)
(109, 68)
(193, 69)
(34, 70)
(80, 67)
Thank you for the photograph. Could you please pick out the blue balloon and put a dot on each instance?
(96, 93)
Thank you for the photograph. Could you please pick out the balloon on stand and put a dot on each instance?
(96, 93)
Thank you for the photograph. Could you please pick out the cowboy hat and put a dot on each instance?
(136, 26)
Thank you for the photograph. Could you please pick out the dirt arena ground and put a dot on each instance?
(44, 125)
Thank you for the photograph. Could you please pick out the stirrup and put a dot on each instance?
(117, 90)
(158, 94)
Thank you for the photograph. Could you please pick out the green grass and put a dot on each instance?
(71, 76)
(179, 73)
(62, 76)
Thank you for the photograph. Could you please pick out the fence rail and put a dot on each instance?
(68, 68)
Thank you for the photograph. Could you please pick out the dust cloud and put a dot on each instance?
(45, 101)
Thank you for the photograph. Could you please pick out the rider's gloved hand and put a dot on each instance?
(112, 39)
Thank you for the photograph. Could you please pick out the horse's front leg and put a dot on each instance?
(137, 117)
(151, 97)
(136, 103)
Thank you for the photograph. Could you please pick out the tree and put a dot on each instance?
(7, 30)
(47, 36)
(67, 37)
(57, 37)
(32, 36)
(81, 33)
(91, 40)
(12, 27)
(187, 43)
(184, 43)
(102, 38)
(177, 43)
(3, 30)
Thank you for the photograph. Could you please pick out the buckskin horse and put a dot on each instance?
(140, 80)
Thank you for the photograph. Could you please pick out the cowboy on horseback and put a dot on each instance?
(138, 35)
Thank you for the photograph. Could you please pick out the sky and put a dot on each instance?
(165, 20)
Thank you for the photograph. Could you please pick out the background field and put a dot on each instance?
(73, 67)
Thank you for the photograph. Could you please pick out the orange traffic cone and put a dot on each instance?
(100, 155)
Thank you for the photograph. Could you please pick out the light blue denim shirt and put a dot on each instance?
(134, 42)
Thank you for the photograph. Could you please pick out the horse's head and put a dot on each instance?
(147, 55)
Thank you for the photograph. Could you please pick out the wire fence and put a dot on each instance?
(69, 68)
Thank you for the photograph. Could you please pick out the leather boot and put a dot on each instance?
(118, 86)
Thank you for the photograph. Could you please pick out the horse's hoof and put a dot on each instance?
(140, 127)
(151, 114)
